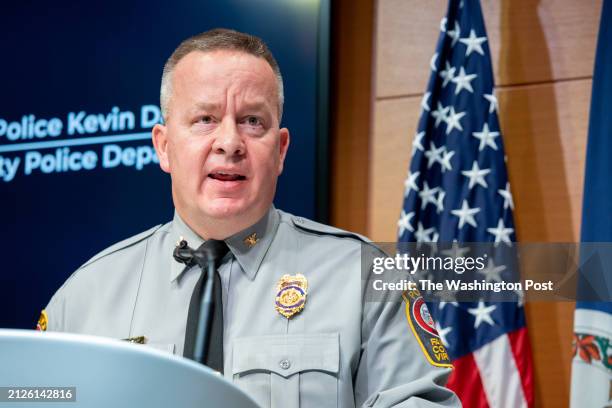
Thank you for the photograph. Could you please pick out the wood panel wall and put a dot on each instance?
(543, 55)
(351, 112)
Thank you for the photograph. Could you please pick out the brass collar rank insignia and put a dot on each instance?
(291, 295)
(42, 321)
(251, 240)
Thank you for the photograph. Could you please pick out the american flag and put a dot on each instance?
(457, 189)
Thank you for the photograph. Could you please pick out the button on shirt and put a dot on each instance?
(339, 351)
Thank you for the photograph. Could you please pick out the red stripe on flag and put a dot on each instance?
(465, 381)
(521, 350)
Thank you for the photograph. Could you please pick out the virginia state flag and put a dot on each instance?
(592, 345)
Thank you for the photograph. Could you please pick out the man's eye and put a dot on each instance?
(206, 119)
(253, 121)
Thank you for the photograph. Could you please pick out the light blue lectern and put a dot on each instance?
(109, 373)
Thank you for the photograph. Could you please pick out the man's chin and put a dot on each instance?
(225, 208)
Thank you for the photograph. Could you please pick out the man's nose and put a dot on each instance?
(228, 140)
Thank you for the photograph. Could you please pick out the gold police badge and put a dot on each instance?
(291, 295)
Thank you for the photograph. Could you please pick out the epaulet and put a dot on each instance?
(123, 244)
(314, 227)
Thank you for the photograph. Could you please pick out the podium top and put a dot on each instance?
(107, 373)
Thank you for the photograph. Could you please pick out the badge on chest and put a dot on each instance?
(291, 292)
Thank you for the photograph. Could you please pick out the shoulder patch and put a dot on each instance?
(42, 321)
(314, 227)
(123, 244)
(422, 325)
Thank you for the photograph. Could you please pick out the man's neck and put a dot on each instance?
(220, 229)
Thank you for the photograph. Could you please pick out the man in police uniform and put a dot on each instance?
(297, 329)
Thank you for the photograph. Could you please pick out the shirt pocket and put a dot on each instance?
(288, 371)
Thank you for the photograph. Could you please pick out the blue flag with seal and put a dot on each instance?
(592, 343)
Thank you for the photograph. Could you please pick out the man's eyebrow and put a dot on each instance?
(255, 106)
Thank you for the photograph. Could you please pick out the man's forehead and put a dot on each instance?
(205, 79)
(224, 62)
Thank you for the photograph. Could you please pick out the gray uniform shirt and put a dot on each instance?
(339, 351)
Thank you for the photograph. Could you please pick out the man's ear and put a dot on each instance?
(160, 142)
(284, 140)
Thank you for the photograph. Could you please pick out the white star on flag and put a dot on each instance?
(482, 313)
(424, 104)
(492, 272)
(440, 201)
(473, 43)
(501, 233)
(466, 214)
(447, 74)
(445, 161)
(452, 120)
(492, 101)
(422, 234)
(404, 222)
(410, 183)
(507, 195)
(439, 114)
(435, 236)
(476, 175)
(442, 304)
(443, 24)
(442, 332)
(486, 137)
(463, 81)
(432, 62)
(416, 142)
(428, 195)
(456, 251)
(434, 154)
(454, 33)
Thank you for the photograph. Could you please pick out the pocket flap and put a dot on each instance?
(288, 354)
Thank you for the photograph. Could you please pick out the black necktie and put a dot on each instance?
(214, 354)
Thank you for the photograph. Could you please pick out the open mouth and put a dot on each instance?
(222, 176)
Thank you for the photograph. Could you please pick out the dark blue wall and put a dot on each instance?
(72, 56)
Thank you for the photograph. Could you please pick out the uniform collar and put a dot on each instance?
(249, 246)
(180, 231)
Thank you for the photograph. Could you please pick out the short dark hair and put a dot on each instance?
(213, 40)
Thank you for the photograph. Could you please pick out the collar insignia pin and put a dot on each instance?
(42, 321)
(251, 240)
(291, 294)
